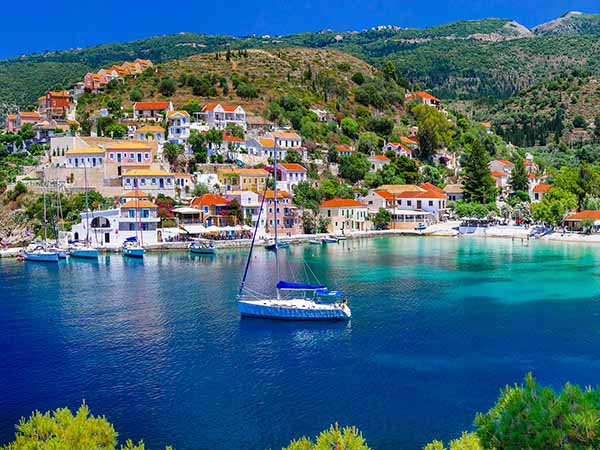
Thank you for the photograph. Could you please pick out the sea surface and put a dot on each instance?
(158, 347)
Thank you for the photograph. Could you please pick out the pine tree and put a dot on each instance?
(479, 187)
(518, 178)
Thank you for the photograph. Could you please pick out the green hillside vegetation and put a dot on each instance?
(465, 59)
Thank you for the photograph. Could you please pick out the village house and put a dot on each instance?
(375, 200)
(11, 120)
(150, 132)
(55, 104)
(424, 199)
(290, 175)
(214, 210)
(501, 179)
(218, 116)
(575, 222)
(410, 142)
(230, 146)
(258, 124)
(264, 147)
(16, 122)
(344, 150)
(425, 98)
(250, 203)
(151, 110)
(345, 215)
(179, 127)
(124, 156)
(286, 139)
(93, 82)
(155, 181)
(243, 179)
(184, 182)
(455, 192)
(109, 74)
(398, 148)
(377, 162)
(487, 126)
(501, 165)
(84, 157)
(288, 220)
(538, 192)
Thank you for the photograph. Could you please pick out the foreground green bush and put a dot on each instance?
(529, 416)
(347, 438)
(61, 430)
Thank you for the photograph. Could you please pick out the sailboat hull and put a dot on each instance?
(51, 257)
(300, 310)
(133, 252)
(84, 253)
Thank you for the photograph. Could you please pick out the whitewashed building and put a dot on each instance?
(218, 116)
(179, 127)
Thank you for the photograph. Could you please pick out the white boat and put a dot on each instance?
(62, 253)
(329, 240)
(291, 301)
(132, 249)
(83, 251)
(202, 248)
(40, 254)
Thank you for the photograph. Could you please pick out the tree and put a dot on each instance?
(468, 441)
(349, 127)
(246, 90)
(347, 438)
(200, 189)
(235, 130)
(61, 429)
(358, 78)
(479, 186)
(136, 95)
(167, 87)
(354, 167)
(519, 181)
(579, 122)
(306, 196)
(434, 175)
(116, 130)
(172, 151)
(554, 205)
(382, 219)
(389, 71)
(434, 129)
(293, 156)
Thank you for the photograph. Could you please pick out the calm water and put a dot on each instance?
(158, 347)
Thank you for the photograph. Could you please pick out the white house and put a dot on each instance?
(264, 147)
(344, 150)
(291, 174)
(185, 182)
(455, 192)
(219, 116)
(501, 179)
(84, 157)
(398, 148)
(377, 199)
(538, 192)
(179, 126)
(150, 133)
(250, 204)
(286, 139)
(345, 215)
(425, 198)
(501, 165)
(150, 180)
(151, 110)
(377, 162)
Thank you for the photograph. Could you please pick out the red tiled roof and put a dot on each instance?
(226, 108)
(210, 200)
(341, 203)
(343, 148)
(421, 194)
(380, 157)
(497, 174)
(426, 95)
(587, 214)
(137, 204)
(542, 188)
(385, 194)
(532, 176)
(432, 188)
(280, 194)
(293, 167)
(147, 106)
(505, 162)
(228, 138)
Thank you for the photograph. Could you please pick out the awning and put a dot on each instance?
(186, 210)
(328, 293)
(194, 229)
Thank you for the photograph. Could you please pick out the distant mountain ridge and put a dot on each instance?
(467, 59)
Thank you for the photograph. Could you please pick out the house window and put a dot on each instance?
(145, 213)
(143, 181)
(430, 202)
(132, 227)
(153, 180)
(409, 202)
(146, 156)
(168, 181)
(131, 155)
(329, 214)
(127, 181)
(111, 156)
(132, 213)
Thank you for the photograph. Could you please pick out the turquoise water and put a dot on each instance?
(158, 347)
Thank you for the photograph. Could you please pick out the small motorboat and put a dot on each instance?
(40, 254)
(341, 238)
(202, 248)
(329, 240)
(315, 242)
(271, 245)
(132, 249)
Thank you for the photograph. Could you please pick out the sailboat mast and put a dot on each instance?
(275, 211)
(45, 218)
(87, 209)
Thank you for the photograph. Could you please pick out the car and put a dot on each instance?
(421, 227)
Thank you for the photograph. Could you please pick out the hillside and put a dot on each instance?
(464, 59)
(318, 77)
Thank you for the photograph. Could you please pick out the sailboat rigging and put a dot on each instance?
(85, 250)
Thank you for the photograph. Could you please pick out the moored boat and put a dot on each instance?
(329, 240)
(132, 249)
(202, 248)
(83, 252)
(40, 254)
(315, 242)
(271, 245)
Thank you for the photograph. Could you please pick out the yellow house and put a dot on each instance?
(243, 179)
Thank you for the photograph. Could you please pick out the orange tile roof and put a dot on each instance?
(12, 116)
(134, 194)
(285, 135)
(280, 194)
(59, 94)
(505, 162)
(586, 214)
(431, 187)
(266, 142)
(486, 124)
(426, 95)
(228, 138)
(226, 108)
(497, 174)
(210, 200)
(408, 141)
(146, 106)
(30, 114)
(421, 194)
(293, 167)
(174, 113)
(344, 148)
(341, 203)
(532, 176)
(385, 194)
(380, 157)
(542, 188)
(137, 204)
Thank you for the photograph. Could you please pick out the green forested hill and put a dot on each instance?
(466, 59)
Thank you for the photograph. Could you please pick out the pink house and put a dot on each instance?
(11, 122)
(93, 81)
(291, 174)
(16, 121)
(288, 219)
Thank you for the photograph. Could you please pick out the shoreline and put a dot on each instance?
(438, 230)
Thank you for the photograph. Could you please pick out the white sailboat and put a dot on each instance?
(41, 252)
(292, 301)
(84, 250)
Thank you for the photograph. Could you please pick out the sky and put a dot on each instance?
(39, 25)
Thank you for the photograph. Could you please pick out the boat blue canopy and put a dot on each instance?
(328, 293)
(299, 286)
(131, 239)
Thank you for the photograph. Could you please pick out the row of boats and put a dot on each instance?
(46, 252)
(271, 244)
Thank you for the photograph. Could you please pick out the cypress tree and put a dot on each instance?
(479, 187)
(518, 177)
